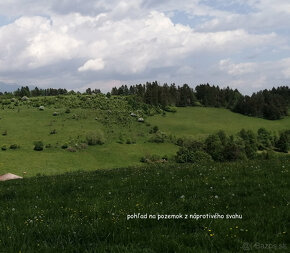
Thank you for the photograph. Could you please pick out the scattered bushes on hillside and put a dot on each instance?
(38, 146)
(95, 138)
(4, 147)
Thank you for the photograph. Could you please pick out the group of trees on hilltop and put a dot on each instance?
(155, 94)
(216, 97)
(25, 91)
(269, 104)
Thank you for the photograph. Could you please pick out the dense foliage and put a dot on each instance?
(269, 104)
(155, 94)
(221, 147)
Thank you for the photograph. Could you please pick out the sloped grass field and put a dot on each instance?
(87, 211)
(25, 123)
(199, 121)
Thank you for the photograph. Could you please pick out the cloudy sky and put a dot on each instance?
(76, 44)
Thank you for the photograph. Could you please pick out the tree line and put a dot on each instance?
(269, 104)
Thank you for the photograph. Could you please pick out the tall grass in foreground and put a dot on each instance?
(87, 211)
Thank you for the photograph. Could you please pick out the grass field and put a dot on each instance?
(79, 201)
(25, 124)
(87, 211)
(199, 121)
(29, 125)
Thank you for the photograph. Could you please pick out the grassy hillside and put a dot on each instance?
(87, 211)
(126, 140)
(198, 121)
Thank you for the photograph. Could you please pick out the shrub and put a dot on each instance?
(185, 155)
(67, 110)
(71, 149)
(170, 109)
(38, 145)
(53, 131)
(4, 133)
(264, 139)
(4, 147)
(95, 138)
(283, 143)
(14, 146)
(151, 159)
(214, 147)
(64, 146)
(158, 137)
(154, 130)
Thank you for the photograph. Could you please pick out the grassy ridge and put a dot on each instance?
(198, 121)
(86, 211)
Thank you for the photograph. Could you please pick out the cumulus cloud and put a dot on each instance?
(93, 65)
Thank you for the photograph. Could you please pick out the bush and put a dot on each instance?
(154, 130)
(158, 137)
(4, 147)
(67, 110)
(14, 146)
(71, 149)
(170, 109)
(185, 155)
(95, 138)
(64, 146)
(38, 145)
(53, 131)
(283, 143)
(151, 159)
(4, 133)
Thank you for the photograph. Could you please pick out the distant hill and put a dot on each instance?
(8, 87)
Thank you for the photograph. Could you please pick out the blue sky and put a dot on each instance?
(77, 44)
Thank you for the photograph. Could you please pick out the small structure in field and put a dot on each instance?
(24, 98)
(140, 120)
(55, 114)
(133, 114)
(9, 176)
(41, 108)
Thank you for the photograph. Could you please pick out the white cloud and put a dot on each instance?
(92, 65)
(237, 69)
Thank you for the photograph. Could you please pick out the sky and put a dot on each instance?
(76, 44)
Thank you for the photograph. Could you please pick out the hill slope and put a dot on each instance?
(198, 121)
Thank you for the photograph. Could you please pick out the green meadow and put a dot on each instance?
(87, 211)
(76, 197)
(200, 121)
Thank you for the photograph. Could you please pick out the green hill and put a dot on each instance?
(198, 121)
(125, 139)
